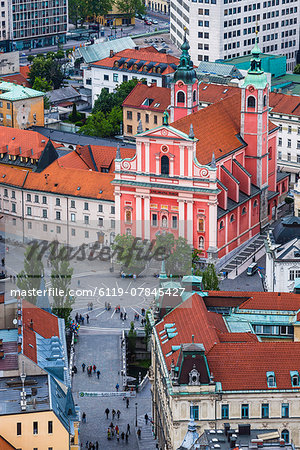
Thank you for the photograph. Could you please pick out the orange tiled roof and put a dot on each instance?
(216, 127)
(61, 180)
(144, 55)
(30, 142)
(17, 78)
(5, 445)
(141, 92)
(285, 104)
(272, 301)
(24, 70)
(212, 93)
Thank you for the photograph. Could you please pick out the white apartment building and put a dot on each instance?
(222, 29)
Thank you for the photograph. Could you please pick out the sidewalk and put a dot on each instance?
(147, 441)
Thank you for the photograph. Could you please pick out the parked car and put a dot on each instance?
(148, 22)
(252, 269)
(155, 22)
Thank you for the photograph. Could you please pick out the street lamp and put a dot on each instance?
(136, 414)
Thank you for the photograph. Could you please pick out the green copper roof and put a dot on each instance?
(256, 76)
(12, 92)
(185, 71)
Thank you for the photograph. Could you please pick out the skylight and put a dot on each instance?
(147, 102)
(156, 105)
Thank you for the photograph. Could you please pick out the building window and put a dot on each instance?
(57, 215)
(29, 211)
(35, 427)
(129, 129)
(14, 222)
(44, 200)
(154, 220)
(129, 115)
(280, 142)
(58, 229)
(100, 208)
(86, 234)
(57, 201)
(100, 222)
(180, 97)
(244, 210)
(232, 218)
(5, 193)
(147, 118)
(19, 428)
(115, 77)
(194, 412)
(265, 410)
(289, 143)
(13, 207)
(285, 413)
(164, 165)
(36, 199)
(113, 210)
(73, 217)
(45, 228)
(155, 120)
(285, 435)
(86, 220)
(251, 101)
(128, 216)
(271, 381)
(106, 78)
(174, 222)
(73, 232)
(225, 411)
(29, 197)
(8, 105)
(29, 225)
(86, 206)
(13, 194)
(280, 128)
(201, 242)
(44, 214)
(50, 427)
(289, 129)
(270, 153)
(265, 100)
(245, 411)
(221, 225)
(255, 203)
(289, 156)
(72, 203)
(113, 223)
(200, 225)
(279, 155)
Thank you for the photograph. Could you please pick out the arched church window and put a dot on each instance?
(180, 97)
(164, 165)
(128, 216)
(194, 96)
(200, 225)
(244, 210)
(270, 153)
(201, 242)
(251, 101)
(221, 225)
(232, 218)
(265, 100)
(128, 231)
(164, 221)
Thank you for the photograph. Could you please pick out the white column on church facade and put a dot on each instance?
(157, 164)
(171, 166)
(190, 162)
(118, 212)
(181, 157)
(181, 218)
(147, 169)
(139, 155)
(189, 220)
(147, 217)
(138, 212)
(213, 225)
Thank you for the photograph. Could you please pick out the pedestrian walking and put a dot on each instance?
(113, 414)
(121, 315)
(78, 282)
(74, 368)
(83, 367)
(146, 419)
(117, 387)
(126, 437)
(118, 414)
(76, 317)
(97, 445)
(128, 428)
(84, 417)
(98, 374)
(94, 368)
(117, 429)
(82, 320)
(139, 433)
(125, 316)
(122, 435)
(107, 412)
(87, 318)
(127, 402)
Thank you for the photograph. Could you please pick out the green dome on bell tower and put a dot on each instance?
(185, 71)
(256, 76)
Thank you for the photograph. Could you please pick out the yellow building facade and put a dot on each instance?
(116, 18)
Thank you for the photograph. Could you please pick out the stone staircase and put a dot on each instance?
(246, 254)
(147, 441)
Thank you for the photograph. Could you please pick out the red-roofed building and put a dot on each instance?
(211, 176)
(201, 368)
(145, 63)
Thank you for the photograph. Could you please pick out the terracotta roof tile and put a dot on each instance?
(24, 70)
(31, 143)
(250, 362)
(284, 301)
(10, 360)
(5, 445)
(285, 104)
(142, 91)
(212, 93)
(17, 78)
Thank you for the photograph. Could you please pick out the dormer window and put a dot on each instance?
(295, 378)
(271, 380)
(116, 64)
(194, 377)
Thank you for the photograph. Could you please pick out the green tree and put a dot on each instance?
(41, 84)
(30, 58)
(60, 54)
(178, 254)
(131, 7)
(297, 69)
(47, 103)
(97, 125)
(47, 68)
(210, 278)
(30, 277)
(86, 9)
(74, 116)
(147, 328)
(130, 253)
(107, 101)
(131, 338)
(61, 275)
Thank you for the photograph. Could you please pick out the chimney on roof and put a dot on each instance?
(279, 90)
(191, 133)
(153, 84)
(111, 53)
(136, 48)
(193, 338)
(31, 323)
(279, 294)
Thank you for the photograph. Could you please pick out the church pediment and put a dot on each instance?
(165, 132)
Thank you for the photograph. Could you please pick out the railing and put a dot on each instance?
(124, 361)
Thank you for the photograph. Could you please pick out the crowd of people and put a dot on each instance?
(91, 369)
(113, 431)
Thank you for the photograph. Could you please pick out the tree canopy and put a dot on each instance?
(48, 68)
(131, 7)
(297, 69)
(30, 277)
(81, 10)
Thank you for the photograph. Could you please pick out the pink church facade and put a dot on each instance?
(210, 176)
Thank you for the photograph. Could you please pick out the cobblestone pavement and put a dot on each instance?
(104, 351)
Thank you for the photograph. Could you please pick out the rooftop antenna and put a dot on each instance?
(23, 393)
